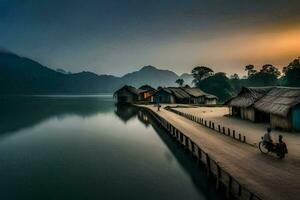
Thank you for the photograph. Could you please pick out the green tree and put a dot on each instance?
(218, 84)
(236, 82)
(201, 73)
(267, 76)
(235, 76)
(180, 82)
(292, 73)
(270, 69)
(250, 70)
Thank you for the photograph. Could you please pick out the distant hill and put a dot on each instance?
(152, 76)
(21, 75)
(188, 78)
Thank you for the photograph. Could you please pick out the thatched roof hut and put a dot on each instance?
(248, 96)
(128, 94)
(279, 101)
(195, 92)
(178, 93)
(148, 88)
(130, 89)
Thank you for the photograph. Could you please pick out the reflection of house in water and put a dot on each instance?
(279, 106)
(125, 113)
(143, 117)
(197, 175)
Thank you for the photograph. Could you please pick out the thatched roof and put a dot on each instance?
(178, 92)
(130, 89)
(248, 96)
(210, 96)
(279, 101)
(195, 92)
(185, 92)
(147, 87)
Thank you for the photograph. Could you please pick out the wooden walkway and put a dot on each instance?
(266, 176)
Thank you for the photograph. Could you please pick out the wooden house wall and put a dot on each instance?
(163, 97)
(280, 122)
(124, 96)
(248, 113)
(199, 100)
(210, 101)
(296, 118)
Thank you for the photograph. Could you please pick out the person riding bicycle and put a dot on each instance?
(267, 139)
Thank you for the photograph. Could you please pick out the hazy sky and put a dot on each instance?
(119, 36)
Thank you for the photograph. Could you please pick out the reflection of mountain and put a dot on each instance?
(197, 174)
(21, 112)
(125, 112)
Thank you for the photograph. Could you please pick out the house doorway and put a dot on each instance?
(262, 117)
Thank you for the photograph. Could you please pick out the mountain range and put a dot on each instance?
(21, 75)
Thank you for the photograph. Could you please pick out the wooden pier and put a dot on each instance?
(238, 166)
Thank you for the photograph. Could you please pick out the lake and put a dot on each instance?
(85, 147)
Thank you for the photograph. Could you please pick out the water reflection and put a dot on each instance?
(27, 111)
(126, 112)
(197, 173)
(86, 148)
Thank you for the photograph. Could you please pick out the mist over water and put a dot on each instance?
(85, 147)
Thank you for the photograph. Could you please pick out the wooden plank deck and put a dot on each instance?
(266, 176)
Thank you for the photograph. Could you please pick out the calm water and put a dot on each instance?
(83, 147)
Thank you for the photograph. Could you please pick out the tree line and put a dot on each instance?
(226, 87)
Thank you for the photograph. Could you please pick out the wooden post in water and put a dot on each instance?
(240, 190)
(228, 132)
(208, 164)
(228, 193)
(199, 154)
(193, 146)
(233, 134)
(218, 177)
(187, 142)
